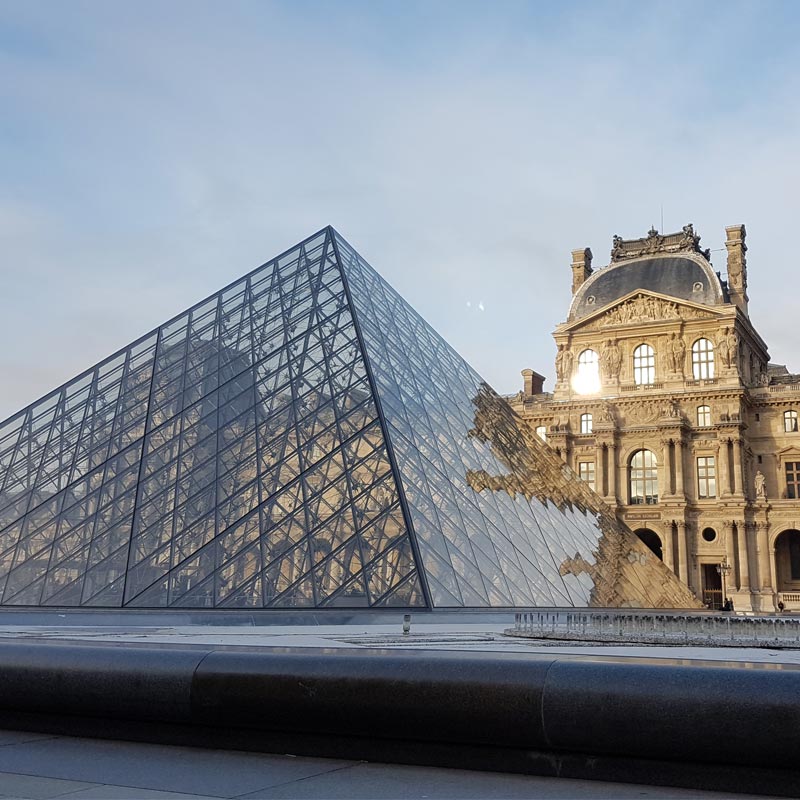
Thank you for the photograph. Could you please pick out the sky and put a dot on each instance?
(152, 152)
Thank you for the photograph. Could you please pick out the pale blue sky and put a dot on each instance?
(151, 152)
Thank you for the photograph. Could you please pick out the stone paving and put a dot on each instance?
(39, 767)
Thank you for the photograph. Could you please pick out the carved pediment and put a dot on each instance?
(641, 307)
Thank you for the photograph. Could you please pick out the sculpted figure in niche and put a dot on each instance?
(670, 354)
(761, 485)
(611, 359)
(563, 363)
(723, 348)
(733, 346)
(678, 347)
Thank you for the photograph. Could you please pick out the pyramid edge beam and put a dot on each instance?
(332, 233)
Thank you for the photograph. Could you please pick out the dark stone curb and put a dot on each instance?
(722, 727)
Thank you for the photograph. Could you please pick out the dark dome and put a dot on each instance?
(682, 277)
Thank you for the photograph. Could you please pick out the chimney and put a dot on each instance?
(533, 383)
(737, 266)
(581, 267)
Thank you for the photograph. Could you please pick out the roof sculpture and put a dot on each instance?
(301, 439)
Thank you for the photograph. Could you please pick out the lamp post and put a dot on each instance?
(723, 569)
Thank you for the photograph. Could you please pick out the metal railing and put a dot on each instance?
(653, 628)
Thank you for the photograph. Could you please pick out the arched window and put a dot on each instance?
(587, 377)
(703, 416)
(644, 365)
(790, 421)
(586, 423)
(703, 359)
(643, 478)
(541, 432)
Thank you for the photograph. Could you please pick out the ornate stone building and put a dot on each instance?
(666, 404)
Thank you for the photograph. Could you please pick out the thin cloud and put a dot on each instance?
(155, 152)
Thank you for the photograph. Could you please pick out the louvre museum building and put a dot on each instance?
(667, 405)
(303, 439)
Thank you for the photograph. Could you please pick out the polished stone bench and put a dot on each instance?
(642, 720)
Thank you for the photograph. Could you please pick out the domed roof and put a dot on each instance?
(638, 264)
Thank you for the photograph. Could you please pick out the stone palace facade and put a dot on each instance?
(667, 405)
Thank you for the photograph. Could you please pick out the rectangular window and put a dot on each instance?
(586, 472)
(793, 480)
(706, 477)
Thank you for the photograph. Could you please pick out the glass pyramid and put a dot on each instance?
(301, 438)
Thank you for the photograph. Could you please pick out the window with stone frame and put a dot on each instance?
(541, 432)
(586, 379)
(793, 480)
(644, 365)
(706, 477)
(586, 472)
(703, 416)
(703, 360)
(643, 478)
(586, 423)
(790, 421)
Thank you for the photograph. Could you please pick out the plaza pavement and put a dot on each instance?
(39, 767)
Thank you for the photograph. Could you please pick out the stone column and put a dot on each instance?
(612, 473)
(744, 566)
(772, 569)
(600, 456)
(762, 553)
(737, 466)
(669, 555)
(730, 555)
(679, 487)
(683, 561)
(752, 552)
(667, 490)
(724, 475)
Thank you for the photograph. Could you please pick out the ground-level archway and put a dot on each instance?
(652, 540)
(787, 561)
